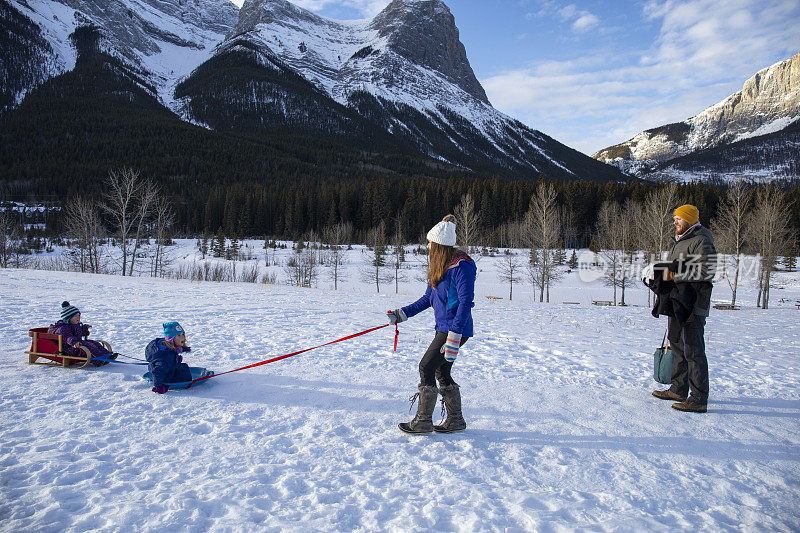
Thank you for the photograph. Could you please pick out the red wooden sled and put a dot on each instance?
(50, 347)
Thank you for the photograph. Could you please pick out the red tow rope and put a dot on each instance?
(354, 335)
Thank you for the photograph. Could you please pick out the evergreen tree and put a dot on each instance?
(233, 249)
(560, 255)
(573, 261)
(218, 246)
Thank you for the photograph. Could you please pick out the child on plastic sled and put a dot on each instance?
(74, 333)
(164, 358)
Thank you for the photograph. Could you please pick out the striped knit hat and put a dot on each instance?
(68, 311)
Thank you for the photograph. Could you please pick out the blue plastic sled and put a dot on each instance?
(197, 372)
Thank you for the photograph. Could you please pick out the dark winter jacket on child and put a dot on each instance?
(73, 333)
(452, 299)
(165, 364)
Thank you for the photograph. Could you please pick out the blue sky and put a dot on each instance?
(596, 73)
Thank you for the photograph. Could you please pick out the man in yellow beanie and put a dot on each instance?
(690, 266)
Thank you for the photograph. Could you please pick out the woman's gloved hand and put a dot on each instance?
(451, 346)
(396, 316)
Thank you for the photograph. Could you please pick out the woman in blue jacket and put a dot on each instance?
(451, 293)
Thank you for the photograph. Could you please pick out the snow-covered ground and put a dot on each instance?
(563, 432)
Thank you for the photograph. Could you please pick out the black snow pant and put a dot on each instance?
(689, 364)
(433, 364)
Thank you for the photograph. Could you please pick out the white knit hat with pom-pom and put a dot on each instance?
(444, 232)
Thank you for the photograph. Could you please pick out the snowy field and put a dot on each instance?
(563, 432)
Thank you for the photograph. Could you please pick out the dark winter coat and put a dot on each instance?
(693, 260)
(452, 299)
(675, 300)
(165, 364)
(73, 333)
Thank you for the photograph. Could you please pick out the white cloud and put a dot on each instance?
(585, 22)
(704, 51)
(581, 20)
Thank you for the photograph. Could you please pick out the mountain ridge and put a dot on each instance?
(400, 81)
(425, 94)
(768, 102)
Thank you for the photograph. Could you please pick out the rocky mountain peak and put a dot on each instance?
(768, 102)
(256, 12)
(425, 33)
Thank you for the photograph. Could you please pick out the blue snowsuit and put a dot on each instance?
(165, 364)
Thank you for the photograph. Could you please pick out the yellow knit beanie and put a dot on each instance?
(689, 213)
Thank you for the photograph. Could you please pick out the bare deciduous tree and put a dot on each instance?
(729, 231)
(654, 221)
(128, 201)
(569, 227)
(83, 224)
(146, 206)
(8, 231)
(163, 219)
(614, 237)
(398, 254)
(542, 232)
(336, 237)
(770, 234)
(375, 270)
(627, 228)
(508, 268)
(466, 222)
(301, 267)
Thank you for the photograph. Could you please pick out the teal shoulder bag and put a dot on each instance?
(662, 362)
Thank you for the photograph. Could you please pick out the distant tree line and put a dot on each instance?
(291, 209)
(410, 206)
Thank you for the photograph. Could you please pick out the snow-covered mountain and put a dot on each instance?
(768, 103)
(403, 73)
(160, 40)
(398, 83)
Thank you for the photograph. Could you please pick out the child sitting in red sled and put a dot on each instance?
(75, 333)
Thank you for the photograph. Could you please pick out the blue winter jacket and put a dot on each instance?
(452, 299)
(165, 364)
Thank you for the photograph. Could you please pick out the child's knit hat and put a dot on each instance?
(172, 329)
(68, 311)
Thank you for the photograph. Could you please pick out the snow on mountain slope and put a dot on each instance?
(562, 431)
(778, 124)
(405, 69)
(768, 102)
(346, 57)
(399, 83)
(162, 40)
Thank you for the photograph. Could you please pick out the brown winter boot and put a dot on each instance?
(451, 399)
(668, 395)
(691, 405)
(423, 422)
